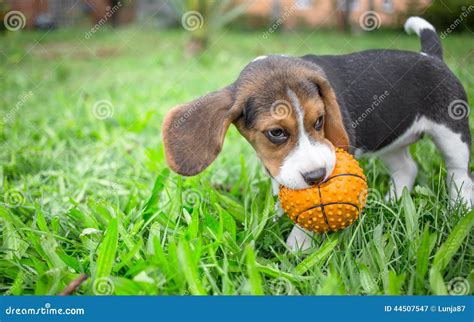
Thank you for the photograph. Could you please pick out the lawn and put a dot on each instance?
(85, 189)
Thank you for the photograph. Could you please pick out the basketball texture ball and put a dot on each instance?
(333, 204)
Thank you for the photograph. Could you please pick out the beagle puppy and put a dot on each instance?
(294, 111)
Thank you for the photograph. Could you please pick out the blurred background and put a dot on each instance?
(344, 15)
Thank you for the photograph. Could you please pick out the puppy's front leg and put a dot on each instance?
(299, 239)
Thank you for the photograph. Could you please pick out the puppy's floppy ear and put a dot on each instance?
(334, 129)
(193, 133)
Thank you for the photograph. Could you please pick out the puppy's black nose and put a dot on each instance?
(314, 177)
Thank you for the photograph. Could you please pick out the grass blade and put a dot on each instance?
(411, 223)
(319, 256)
(423, 255)
(446, 252)
(395, 283)
(255, 280)
(189, 267)
(367, 281)
(151, 205)
(107, 251)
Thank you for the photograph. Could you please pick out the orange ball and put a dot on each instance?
(333, 204)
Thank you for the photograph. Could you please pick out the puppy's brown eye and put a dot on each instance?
(277, 135)
(319, 123)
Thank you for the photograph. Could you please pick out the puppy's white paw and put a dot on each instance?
(464, 196)
(299, 239)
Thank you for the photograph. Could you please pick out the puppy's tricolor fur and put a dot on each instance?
(295, 111)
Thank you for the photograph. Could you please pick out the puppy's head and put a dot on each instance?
(285, 107)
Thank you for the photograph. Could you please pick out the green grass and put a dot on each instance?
(80, 194)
